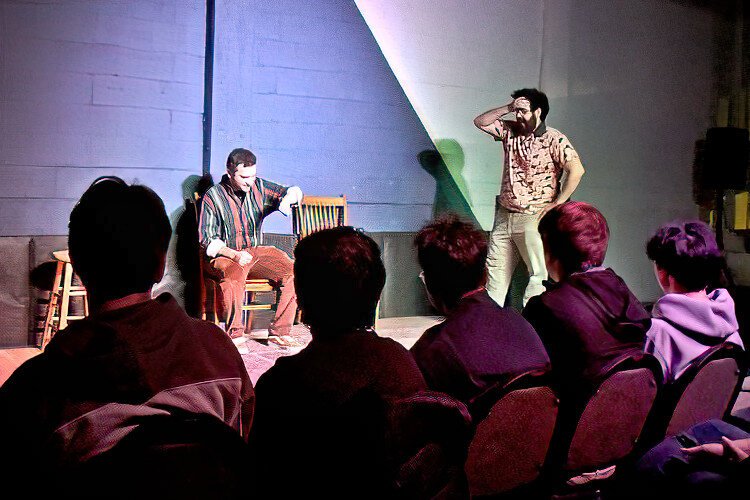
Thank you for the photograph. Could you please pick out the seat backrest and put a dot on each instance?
(428, 434)
(510, 444)
(171, 456)
(707, 389)
(314, 213)
(613, 418)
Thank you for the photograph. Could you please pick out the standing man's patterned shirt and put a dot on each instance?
(533, 167)
(236, 222)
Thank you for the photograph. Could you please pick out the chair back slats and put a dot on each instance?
(314, 213)
(707, 389)
(708, 396)
(511, 443)
(612, 420)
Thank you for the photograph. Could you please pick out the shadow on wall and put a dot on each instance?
(450, 185)
(449, 198)
(187, 253)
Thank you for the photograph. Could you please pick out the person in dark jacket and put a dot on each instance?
(690, 318)
(133, 359)
(587, 318)
(480, 343)
(322, 410)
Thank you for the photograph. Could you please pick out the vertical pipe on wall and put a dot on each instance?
(208, 84)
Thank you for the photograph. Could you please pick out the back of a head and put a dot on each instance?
(688, 251)
(338, 276)
(576, 234)
(452, 254)
(118, 238)
(537, 98)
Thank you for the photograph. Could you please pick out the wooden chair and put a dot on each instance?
(58, 310)
(209, 288)
(512, 438)
(314, 213)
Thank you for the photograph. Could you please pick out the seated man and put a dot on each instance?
(587, 318)
(479, 343)
(688, 320)
(132, 358)
(318, 410)
(230, 233)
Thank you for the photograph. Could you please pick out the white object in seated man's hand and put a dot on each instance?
(293, 195)
(243, 258)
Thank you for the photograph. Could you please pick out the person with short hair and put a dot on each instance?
(541, 171)
(231, 217)
(690, 318)
(480, 343)
(133, 357)
(320, 409)
(587, 318)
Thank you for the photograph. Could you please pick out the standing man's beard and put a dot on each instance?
(530, 126)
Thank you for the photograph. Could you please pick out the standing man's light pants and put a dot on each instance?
(514, 235)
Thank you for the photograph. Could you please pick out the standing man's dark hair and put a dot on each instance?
(338, 275)
(452, 254)
(118, 239)
(537, 98)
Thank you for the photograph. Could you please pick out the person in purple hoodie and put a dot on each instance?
(688, 319)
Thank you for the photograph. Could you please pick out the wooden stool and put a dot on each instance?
(59, 298)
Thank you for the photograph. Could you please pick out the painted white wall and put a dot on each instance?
(629, 83)
(91, 88)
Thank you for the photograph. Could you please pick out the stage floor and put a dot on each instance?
(260, 356)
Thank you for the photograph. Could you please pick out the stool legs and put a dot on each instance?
(54, 297)
(59, 301)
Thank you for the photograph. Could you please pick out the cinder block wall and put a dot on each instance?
(305, 85)
(93, 88)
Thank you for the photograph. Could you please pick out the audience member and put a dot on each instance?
(132, 358)
(587, 318)
(709, 460)
(232, 214)
(689, 319)
(480, 344)
(320, 412)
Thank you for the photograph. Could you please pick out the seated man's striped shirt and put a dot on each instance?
(227, 220)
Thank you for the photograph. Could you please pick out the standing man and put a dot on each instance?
(230, 233)
(541, 171)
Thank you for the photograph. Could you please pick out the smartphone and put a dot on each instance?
(686, 441)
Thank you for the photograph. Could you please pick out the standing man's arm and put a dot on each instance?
(491, 122)
(572, 172)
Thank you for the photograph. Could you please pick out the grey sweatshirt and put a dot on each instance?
(685, 327)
